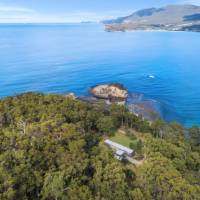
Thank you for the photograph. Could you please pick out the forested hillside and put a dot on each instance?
(51, 147)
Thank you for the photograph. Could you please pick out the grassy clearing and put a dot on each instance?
(122, 139)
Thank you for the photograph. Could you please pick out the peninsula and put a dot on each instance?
(58, 147)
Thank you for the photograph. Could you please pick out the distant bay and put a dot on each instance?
(164, 67)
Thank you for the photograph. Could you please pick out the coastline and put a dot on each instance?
(128, 59)
(136, 103)
(159, 31)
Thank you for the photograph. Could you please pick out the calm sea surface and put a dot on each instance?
(164, 66)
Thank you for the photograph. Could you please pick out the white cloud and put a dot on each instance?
(62, 18)
(15, 9)
(94, 16)
(10, 14)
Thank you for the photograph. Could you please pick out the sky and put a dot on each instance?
(52, 11)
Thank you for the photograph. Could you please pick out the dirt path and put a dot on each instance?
(134, 161)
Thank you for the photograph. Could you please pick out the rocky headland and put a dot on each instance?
(106, 94)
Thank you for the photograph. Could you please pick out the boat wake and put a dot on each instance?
(151, 76)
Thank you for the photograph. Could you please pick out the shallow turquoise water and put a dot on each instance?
(164, 66)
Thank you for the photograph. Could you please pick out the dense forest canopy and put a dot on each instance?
(51, 147)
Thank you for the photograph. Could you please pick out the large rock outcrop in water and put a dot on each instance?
(113, 92)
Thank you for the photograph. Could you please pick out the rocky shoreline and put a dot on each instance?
(106, 94)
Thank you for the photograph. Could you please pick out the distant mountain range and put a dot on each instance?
(169, 18)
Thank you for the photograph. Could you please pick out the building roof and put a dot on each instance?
(119, 146)
(120, 152)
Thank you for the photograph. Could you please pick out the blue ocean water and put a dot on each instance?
(61, 58)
